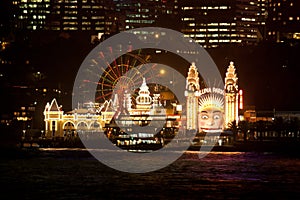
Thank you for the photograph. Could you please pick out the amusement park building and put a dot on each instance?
(147, 108)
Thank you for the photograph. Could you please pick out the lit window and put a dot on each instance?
(290, 18)
(188, 19)
(226, 24)
(296, 36)
(200, 41)
(212, 29)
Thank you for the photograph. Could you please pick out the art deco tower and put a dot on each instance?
(231, 95)
(192, 95)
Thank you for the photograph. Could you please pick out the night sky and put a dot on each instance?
(268, 73)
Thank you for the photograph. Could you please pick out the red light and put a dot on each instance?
(241, 103)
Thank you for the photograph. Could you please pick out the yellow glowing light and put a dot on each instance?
(162, 71)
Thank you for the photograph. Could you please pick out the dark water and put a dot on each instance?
(219, 175)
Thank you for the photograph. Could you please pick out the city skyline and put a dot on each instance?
(50, 57)
(200, 101)
(210, 23)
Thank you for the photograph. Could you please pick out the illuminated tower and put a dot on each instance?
(231, 95)
(53, 120)
(144, 100)
(192, 95)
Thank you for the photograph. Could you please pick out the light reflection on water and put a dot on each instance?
(73, 174)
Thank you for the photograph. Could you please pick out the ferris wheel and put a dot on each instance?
(123, 74)
(109, 73)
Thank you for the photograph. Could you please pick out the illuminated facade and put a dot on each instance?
(212, 109)
(143, 100)
(192, 98)
(93, 116)
(231, 95)
(90, 117)
(207, 109)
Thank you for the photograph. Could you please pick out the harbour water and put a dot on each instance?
(74, 174)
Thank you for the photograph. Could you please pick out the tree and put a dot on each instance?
(278, 126)
(261, 128)
(294, 126)
(233, 127)
(244, 128)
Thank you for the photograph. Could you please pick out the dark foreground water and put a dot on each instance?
(219, 175)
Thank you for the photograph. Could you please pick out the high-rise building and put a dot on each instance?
(283, 20)
(68, 15)
(250, 20)
(82, 15)
(214, 23)
(32, 14)
(209, 22)
(143, 13)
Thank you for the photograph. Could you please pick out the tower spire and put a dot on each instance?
(192, 95)
(231, 95)
(144, 100)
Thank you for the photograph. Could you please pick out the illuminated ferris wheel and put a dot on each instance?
(123, 74)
